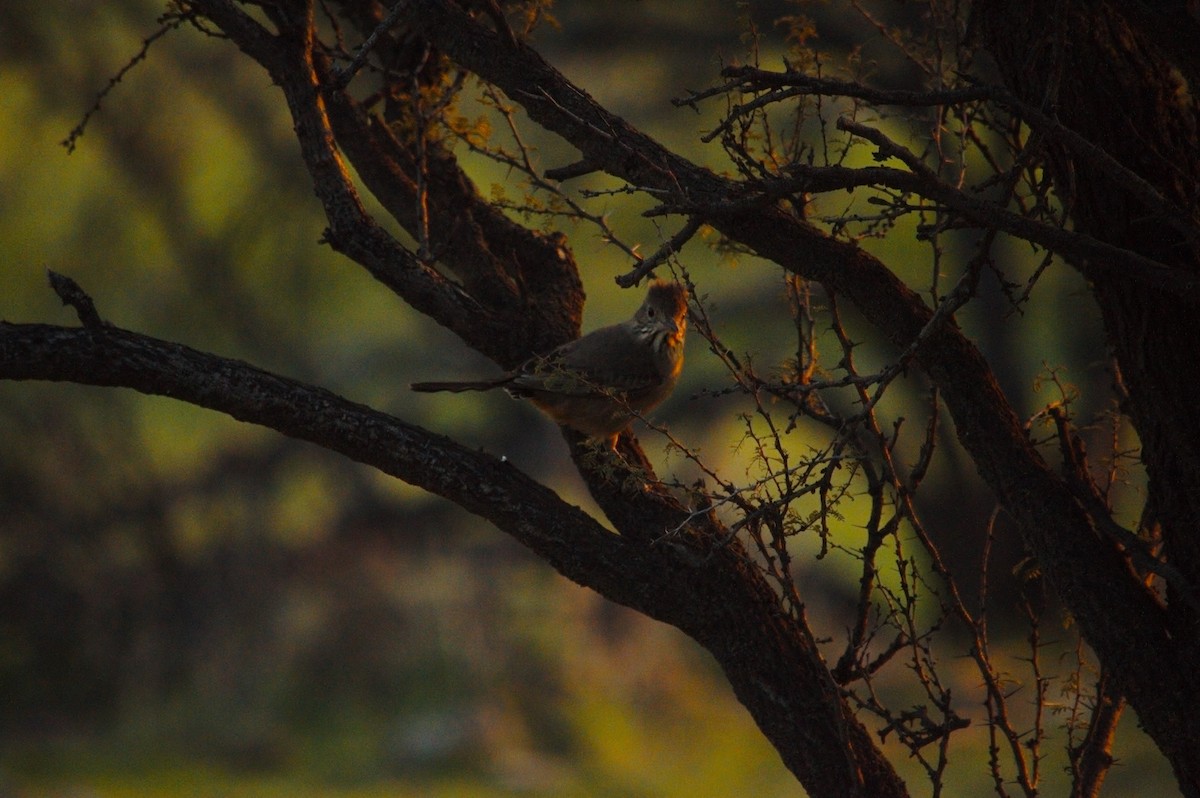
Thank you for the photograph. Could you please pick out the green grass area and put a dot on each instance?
(62, 772)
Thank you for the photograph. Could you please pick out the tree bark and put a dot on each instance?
(532, 298)
(1120, 618)
(1118, 74)
(1105, 72)
(695, 578)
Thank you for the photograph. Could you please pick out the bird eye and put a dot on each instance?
(650, 312)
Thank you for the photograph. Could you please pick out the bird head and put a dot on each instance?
(663, 316)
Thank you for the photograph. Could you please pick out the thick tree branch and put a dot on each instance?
(526, 282)
(571, 541)
(1119, 616)
(714, 594)
(108, 356)
(288, 57)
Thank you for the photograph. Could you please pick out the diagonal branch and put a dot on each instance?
(921, 180)
(109, 356)
(1118, 615)
(288, 57)
(713, 594)
(507, 270)
(664, 253)
(343, 75)
(71, 294)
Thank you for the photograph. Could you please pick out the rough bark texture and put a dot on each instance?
(1116, 73)
(711, 592)
(1121, 619)
(517, 292)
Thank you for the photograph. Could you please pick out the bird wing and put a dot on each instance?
(602, 361)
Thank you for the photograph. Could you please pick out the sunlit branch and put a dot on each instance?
(1092, 759)
(662, 254)
(781, 86)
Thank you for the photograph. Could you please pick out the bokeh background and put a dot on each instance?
(194, 606)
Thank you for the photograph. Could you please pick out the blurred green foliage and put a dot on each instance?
(192, 606)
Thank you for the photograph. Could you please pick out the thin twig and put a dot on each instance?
(343, 76)
(784, 85)
(669, 248)
(168, 23)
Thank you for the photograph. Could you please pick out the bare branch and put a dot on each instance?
(167, 23)
(754, 78)
(922, 181)
(784, 85)
(577, 169)
(660, 256)
(341, 76)
(715, 601)
(71, 294)
(1093, 758)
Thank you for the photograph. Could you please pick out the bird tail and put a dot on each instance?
(459, 387)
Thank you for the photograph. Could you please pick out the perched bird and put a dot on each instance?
(597, 384)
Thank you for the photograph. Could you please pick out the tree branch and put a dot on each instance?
(71, 294)
(1092, 759)
(109, 356)
(288, 58)
(524, 288)
(343, 76)
(664, 253)
(921, 180)
(784, 85)
(714, 594)
(1119, 616)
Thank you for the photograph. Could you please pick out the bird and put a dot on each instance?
(598, 383)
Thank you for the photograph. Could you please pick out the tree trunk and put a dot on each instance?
(1120, 75)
